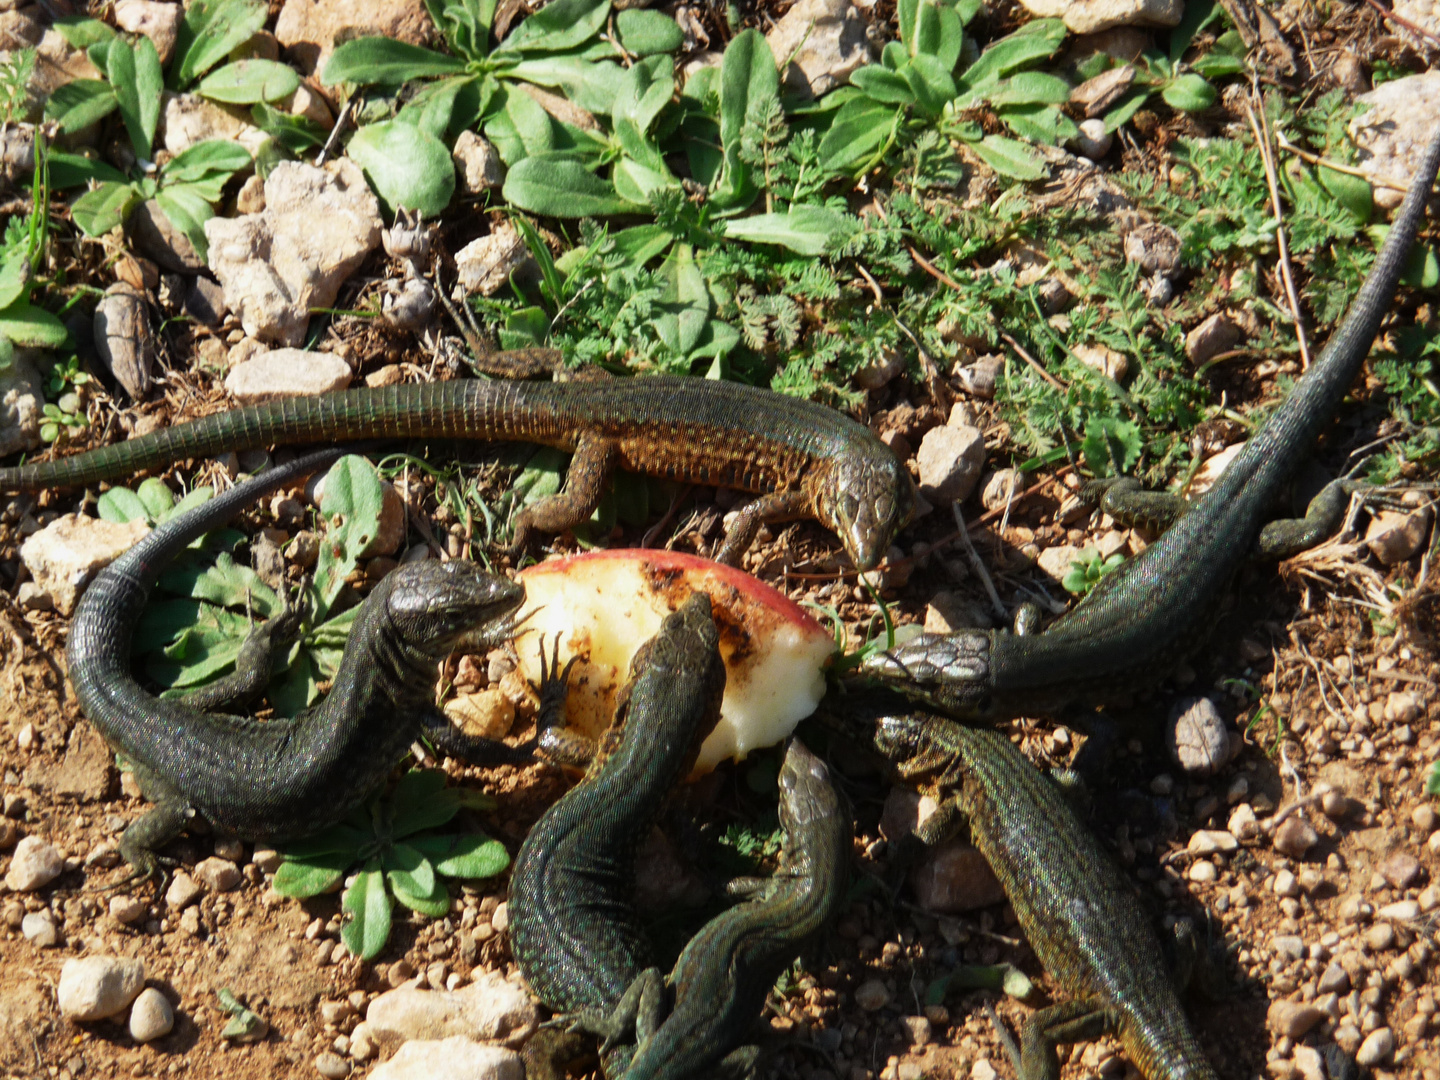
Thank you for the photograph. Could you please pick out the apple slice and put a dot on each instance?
(605, 604)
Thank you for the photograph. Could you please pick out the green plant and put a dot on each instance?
(22, 323)
(1087, 569)
(189, 185)
(1432, 781)
(194, 636)
(62, 417)
(66, 376)
(382, 839)
(15, 72)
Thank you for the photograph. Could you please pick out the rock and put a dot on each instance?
(22, 404)
(1217, 334)
(1212, 467)
(152, 1016)
(484, 265)
(1094, 141)
(1000, 487)
(1394, 537)
(393, 526)
(1057, 559)
(1401, 869)
(825, 41)
(123, 341)
(286, 373)
(872, 995)
(183, 891)
(455, 1058)
(1202, 872)
(159, 22)
(1092, 16)
(1402, 707)
(126, 909)
(1377, 1048)
(1096, 95)
(1155, 247)
(1196, 736)
(488, 713)
(205, 302)
(316, 229)
(96, 987)
(217, 875)
(67, 553)
(1102, 358)
(1380, 937)
(1392, 133)
(1293, 1019)
(1288, 946)
(1335, 980)
(1209, 841)
(39, 929)
(332, 1066)
(85, 773)
(950, 460)
(955, 877)
(1400, 911)
(477, 163)
(155, 236)
(1294, 837)
(308, 28)
(978, 379)
(188, 119)
(34, 865)
(1285, 884)
(918, 1029)
(903, 812)
(489, 1008)
(1424, 14)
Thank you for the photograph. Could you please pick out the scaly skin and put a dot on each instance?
(1078, 912)
(809, 460)
(724, 974)
(573, 926)
(280, 779)
(1148, 615)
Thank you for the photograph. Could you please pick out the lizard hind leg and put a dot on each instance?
(1285, 537)
(590, 466)
(140, 843)
(1128, 503)
(253, 663)
(1045, 1029)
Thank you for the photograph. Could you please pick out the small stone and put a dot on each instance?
(918, 1028)
(39, 929)
(1378, 1047)
(1400, 911)
(950, 460)
(1202, 871)
(1403, 707)
(1209, 841)
(872, 995)
(1217, 334)
(267, 859)
(1380, 937)
(486, 264)
(122, 337)
(152, 1016)
(67, 553)
(183, 890)
(955, 877)
(1335, 980)
(825, 40)
(1093, 141)
(455, 1058)
(491, 1007)
(1394, 537)
(500, 917)
(1292, 1019)
(1337, 806)
(1197, 738)
(126, 909)
(1285, 884)
(1288, 946)
(1401, 869)
(1109, 362)
(95, 987)
(217, 875)
(1243, 824)
(1295, 837)
(487, 713)
(1093, 16)
(982, 1070)
(332, 1066)
(34, 865)
(286, 373)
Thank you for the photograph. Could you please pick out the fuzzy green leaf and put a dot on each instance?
(311, 877)
(351, 507)
(78, 104)
(1011, 158)
(247, 82)
(1352, 192)
(559, 25)
(1190, 93)
(368, 904)
(645, 32)
(805, 229)
(368, 61)
(27, 325)
(749, 81)
(421, 801)
(101, 209)
(435, 903)
(121, 505)
(858, 130)
(464, 855)
(407, 870)
(408, 168)
(209, 32)
(559, 185)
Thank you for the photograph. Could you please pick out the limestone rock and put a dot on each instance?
(94, 987)
(1394, 537)
(309, 28)
(1092, 16)
(824, 40)
(950, 460)
(187, 119)
(489, 1008)
(477, 163)
(1196, 736)
(22, 404)
(484, 265)
(152, 1016)
(122, 339)
(158, 21)
(1217, 334)
(1393, 133)
(955, 877)
(67, 553)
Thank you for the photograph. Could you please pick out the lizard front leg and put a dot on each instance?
(1045, 1029)
(776, 506)
(253, 663)
(1128, 503)
(1285, 537)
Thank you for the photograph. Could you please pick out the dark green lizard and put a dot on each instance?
(1146, 616)
(1079, 914)
(808, 460)
(724, 974)
(280, 779)
(573, 926)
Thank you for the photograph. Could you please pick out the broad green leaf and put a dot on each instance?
(859, 129)
(559, 25)
(368, 904)
(73, 170)
(315, 874)
(559, 185)
(932, 84)
(464, 855)
(1111, 447)
(407, 870)
(882, 84)
(1432, 782)
(1030, 88)
(1198, 14)
(351, 507)
(645, 32)
(717, 338)
(33, 327)
(226, 583)
(157, 498)
(197, 497)
(524, 328)
(121, 505)
(370, 60)
(205, 159)
(521, 128)
(100, 210)
(931, 28)
(641, 243)
(247, 82)
(334, 633)
(1217, 65)
(138, 83)
(749, 81)
(644, 90)
(296, 690)
(1011, 158)
(1189, 92)
(590, 85)
(1127, 107)
(1033, 41)
(81, 32)
(78, 104)
(342, 839)
(435, 904)
(637, 183)
(289, 136)
(210, 31)
(432, 106)
(1039, 123)
(1351, 192)
(421, 801)
(187, 206)
(805, 229)
(408, 168)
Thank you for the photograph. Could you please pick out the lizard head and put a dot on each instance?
(950, 672)
(435, 606)
(867, 498)
(805, 789)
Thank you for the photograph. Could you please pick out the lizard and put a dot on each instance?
(1079, 914)
(573, 928)
(724, 974)
(280, 779)
(806, 460)
(1142, 619)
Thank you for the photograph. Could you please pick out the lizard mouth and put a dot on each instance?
(492, 633)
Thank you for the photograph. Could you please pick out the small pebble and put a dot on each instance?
(1423, 818)
(152, 1016)
(1400, 911)
(1202, 871)
(1377, 1048)
(1295, 837)
(183, 890)
(1209, 841)
(34, 865)
(1380, 937)
(918, 1028)
(1285, 884)
(217, 875)
(1401, 869)
(95, 987)
(1292, 1019)
(126, 909)
(332, 1066)
(39, 929)
(1336, 980)
(871, 995)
